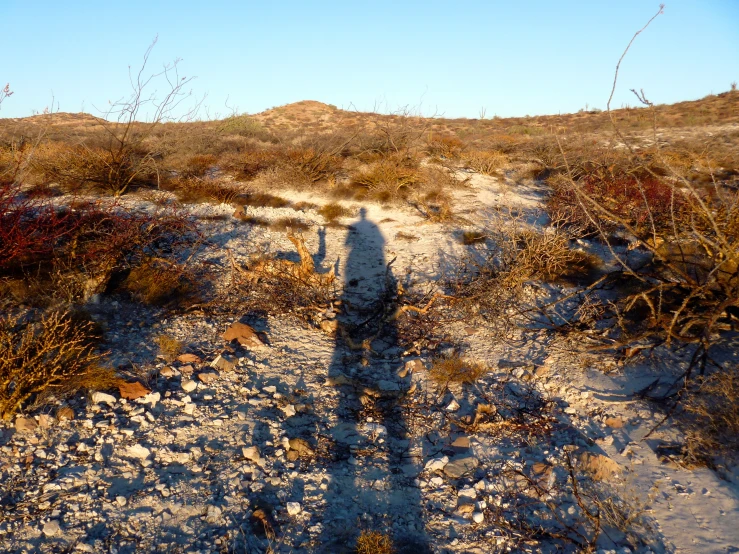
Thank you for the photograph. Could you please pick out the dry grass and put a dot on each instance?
(374, 542)
(54, 355)
(160, 282)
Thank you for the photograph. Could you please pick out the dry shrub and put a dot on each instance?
(374, 542)
(198, 165)
(195, 190)
(303, 206)
(314, 164)
(262, 200)
(251, 163)
(711, 418)
(289, 224)
(52, 355)
(161, 282)
(455, 369)
(390, 179)
(169, 347)
(485, 161)
(333, 211)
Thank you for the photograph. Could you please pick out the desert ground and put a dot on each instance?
(319, 330)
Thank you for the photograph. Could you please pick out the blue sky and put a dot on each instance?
(512, 58)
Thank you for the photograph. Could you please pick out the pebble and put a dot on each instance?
(138, 451)
(98, 397)
(51, 528)
(189, 385)
(478, 517)
(293, 508)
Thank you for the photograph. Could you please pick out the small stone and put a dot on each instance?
(25, 425)
(189, 358)
(614, 422)
(600, 467)
(301, 446)
(64, 413)
(466, 495)
(138, 451)
(293, 508)
(189, 385)
(457, 468)
(288, 409)
(98, 397)
(245, 335)
(224, 362)
(437, 464)
(453, 406)
(478, 517)
(45, 421)
(168, 372)
(461, 442)
(121, 501)
(187, 369)
(133, 390)
(51, 528)
(293, 455)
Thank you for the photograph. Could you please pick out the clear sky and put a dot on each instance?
(449, 58)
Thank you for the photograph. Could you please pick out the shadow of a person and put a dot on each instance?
(371, 482)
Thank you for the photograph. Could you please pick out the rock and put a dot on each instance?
(293, 508)
(251, 453)
(51, 528)
(461, 442)
(64, 413)
(478, 517)
(152, 398)
(213, 514)
(339, 380)
(189, 385)
(453, 406)
(25, 425)
(45, 421)
(189, 358)
(187, 369)
(288, 409)
(208, 377)
(614, 422)
(245, 335)
(121, 501)
(293, 455)
(98, 397)
(458, 467)
(168, 372)
(138, 451)
(543, 474)
(599, 466)
(464, 509)
(466, 496)
(301, 446)
(224, 362)
(132, 390)
(412, 366)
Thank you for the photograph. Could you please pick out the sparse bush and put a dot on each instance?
(457, 370)
(52, 355)
(485, 162)
(160, 282)
(169, 347)
(444, 145)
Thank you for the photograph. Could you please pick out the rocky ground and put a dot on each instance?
(287, 440)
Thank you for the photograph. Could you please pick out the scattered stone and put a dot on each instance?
(208, 377)
(466, 496)
(168, 372)
(245, 335)
(25, 425)
(213, 514)
(412, 366)
(339, 380)
(189, 358)
(457, 468)
(189, 385)
(45, 421)
(614, 422)
(187, 369)
(329, 326)
(437, 464)
(224, 362)
(543, 474)
(453, 406)
(464, 509)
(121, 501)
(599, 466)
(478, 517)
(138, 451)
(293, 508)
(132, 390)
(64, 413)
(98, 397)
(51, 528)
